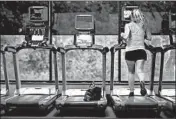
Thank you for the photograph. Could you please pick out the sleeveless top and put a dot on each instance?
(134, 33)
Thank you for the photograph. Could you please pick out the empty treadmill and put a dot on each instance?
(37, 36)
(166, 93)
(41, 98)
(120, 96)
(72, 99)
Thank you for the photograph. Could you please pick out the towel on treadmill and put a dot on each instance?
(93, 93)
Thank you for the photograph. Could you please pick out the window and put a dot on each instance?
(10, 40)
(34, 64)
(169, 66)
(2, 68)
(82, 65)
(85, 65)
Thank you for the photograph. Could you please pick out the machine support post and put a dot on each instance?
(119, 65)
(16, 69)
(50, 38)
(5, 73)
(161, 71)
(112, 71)
(63, 74)
(119, 41)
(104, 73)
(153, 71)
(56, 70)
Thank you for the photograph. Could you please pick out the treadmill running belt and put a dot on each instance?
(139, 102)
(79, 101)
(26, 100)
(75, 99)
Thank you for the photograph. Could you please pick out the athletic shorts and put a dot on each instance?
(136, 55)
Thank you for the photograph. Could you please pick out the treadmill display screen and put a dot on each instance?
(38, 13)
(84, 22)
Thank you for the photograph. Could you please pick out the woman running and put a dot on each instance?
(135, 33)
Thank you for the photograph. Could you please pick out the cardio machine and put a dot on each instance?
(167, 94)
(120, 99)
(74, 98)
(4, 91)
(41, 98)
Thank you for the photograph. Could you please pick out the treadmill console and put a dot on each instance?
(36, 35)
(84, 24)
(37, 31)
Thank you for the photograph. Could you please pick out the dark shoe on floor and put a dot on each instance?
(131, 94)
(143, 90)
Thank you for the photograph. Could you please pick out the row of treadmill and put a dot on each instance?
(44, 98)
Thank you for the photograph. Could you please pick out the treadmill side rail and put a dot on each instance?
(47, 102)
(60, 102)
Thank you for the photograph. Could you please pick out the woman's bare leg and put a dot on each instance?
(131, 74)
(140, 73)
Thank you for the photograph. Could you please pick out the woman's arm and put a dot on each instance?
(148, 34)
(148, 37)
(125, 35)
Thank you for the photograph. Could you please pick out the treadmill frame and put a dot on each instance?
(48, 101)
(170, 104)
(101, 104)
(119, 106)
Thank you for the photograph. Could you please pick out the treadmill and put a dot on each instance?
(120, 99)
(167, 93)
(31, 97)
(40, 98)
(72, 99)
(4, 91)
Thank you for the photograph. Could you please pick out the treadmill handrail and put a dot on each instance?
(117, 47)
(15, 49)
(11, 49)
(168, 47)
(153, 49)
(93, 47)
(2, 49)
(123, 45)
(165, 49)
(5, 69)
